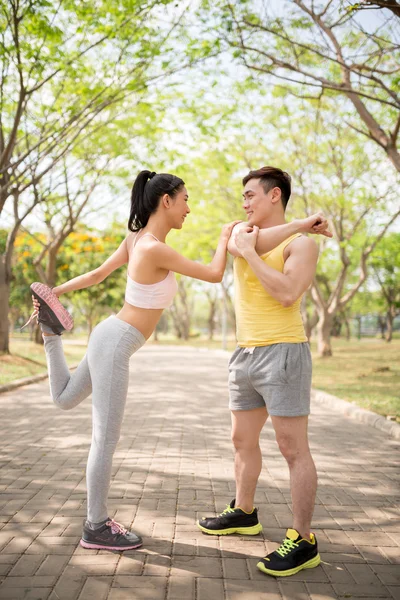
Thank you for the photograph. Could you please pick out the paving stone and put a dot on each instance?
(52, 565)
(291, 590)
(209, 588)
(182, 588)
(27, 582)
(27, 593)
(250, 590)
(96, 588)
(149, 588)
(321, 591)
(157, 566)
(199, 566)
(174, 464)
(27, 565)
(350, 590)
(388, 574)
(235, 568)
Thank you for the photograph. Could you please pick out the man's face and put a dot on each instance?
(257, 204)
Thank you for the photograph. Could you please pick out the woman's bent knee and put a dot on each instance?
(63, 404)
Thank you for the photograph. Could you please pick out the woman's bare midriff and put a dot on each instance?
(143, 319)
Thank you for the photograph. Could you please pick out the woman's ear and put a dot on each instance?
(166, 200)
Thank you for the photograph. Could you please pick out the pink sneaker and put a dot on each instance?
(51, 311)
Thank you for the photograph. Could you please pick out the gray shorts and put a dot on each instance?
(276, 376)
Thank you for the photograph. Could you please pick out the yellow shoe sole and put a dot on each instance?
(255, 530)
(314, 562)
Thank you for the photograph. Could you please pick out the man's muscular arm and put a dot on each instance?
(271, 237)
(298, 272)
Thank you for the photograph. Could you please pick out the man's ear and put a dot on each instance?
(166, 200)
(276, 195)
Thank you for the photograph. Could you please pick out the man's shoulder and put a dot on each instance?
(301, 244)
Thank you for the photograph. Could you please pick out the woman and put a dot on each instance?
(159, 203)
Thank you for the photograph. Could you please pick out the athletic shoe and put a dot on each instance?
(293, 555)
(231, 520)
(51, 312)
(110, 536)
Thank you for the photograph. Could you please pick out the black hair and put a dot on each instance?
(271, 177)
(147, 190)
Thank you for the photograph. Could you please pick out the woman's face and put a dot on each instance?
(179, 208)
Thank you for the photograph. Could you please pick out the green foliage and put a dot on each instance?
(84, 251)
(385, 263)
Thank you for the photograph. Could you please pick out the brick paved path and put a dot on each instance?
(174, 463)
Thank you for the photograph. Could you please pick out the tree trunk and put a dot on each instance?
(324, 328)
(309, 322)
(4, 306)
(213, 300)
(51, 269)
(359, 326)
(38, 335)
(382, 326)
(389, 325)
(347, 327)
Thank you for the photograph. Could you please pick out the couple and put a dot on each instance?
(269, 372)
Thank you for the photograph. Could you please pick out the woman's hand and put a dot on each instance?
(36, 306)
(227, 230)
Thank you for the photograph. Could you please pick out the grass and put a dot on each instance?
(366, 372)
(28, 359)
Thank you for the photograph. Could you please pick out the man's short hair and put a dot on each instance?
(271, 177)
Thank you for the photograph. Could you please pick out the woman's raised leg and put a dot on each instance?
(67, 388)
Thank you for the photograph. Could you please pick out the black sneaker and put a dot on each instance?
(293, 555)
(231, 520)
(110, 536)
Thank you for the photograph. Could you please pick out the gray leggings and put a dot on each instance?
(105, 371)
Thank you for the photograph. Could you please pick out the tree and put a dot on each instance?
(84, 250)
(317, 50)
(332, 171)
(385, 264)
(357, 204)
(392, 5)
(67, 69)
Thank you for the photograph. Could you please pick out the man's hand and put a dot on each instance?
(316, 224)
(246, 239)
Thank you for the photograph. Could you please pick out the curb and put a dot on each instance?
(7, 387)
(359, 414)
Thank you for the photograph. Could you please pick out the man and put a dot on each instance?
(270, 371)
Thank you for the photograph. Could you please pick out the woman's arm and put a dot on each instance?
(116, 260)
(271, 237)
(166, 258)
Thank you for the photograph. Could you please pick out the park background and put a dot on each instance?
(93, 92)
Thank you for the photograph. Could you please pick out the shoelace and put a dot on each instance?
(34, 314)
(227, 510)
(116, 527)
(286, 546)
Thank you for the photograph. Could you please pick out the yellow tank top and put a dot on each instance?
(260, 319)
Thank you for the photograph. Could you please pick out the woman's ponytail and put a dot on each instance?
(147, 190)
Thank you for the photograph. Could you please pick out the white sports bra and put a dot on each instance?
(153, 295)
